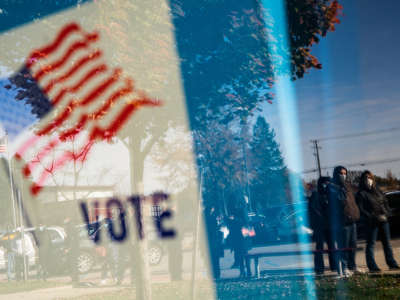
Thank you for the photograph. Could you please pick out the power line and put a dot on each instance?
(345, 136)
(365, 163)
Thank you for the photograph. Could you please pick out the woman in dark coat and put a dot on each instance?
(375, 211)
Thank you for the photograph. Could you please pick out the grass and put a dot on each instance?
(357, 287)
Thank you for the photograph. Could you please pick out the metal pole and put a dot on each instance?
(317, 156)
(22, 234)
(11, 183)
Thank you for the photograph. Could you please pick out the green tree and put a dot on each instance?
(269, 179)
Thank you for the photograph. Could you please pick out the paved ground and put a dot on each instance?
(268, 266)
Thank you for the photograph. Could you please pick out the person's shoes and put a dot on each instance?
(338, 276)
(319, 273)
(394, 267)
(347, 273)
(375, 270)
(103, 282)
(358, 271)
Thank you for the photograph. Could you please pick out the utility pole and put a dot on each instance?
(316, 153)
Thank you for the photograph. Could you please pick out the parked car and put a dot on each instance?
(394, 203)
(89, 256)
(32, 255)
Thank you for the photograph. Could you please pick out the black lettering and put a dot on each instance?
(121, 236)
(135, 200)
(162, 232)
(91, 227)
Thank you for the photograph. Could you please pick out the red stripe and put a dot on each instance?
(71, 50)
(100, 112)
(65, 158)
(102, 88)
(121, 119)
(36, 187)
(82, 62)
(58, 121)
(93, 72)
(96, 92)
(28, 168)
(42, 52)
(28, 144)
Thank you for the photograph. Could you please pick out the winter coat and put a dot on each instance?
(373, 203)
(342, 204)
(318, 210)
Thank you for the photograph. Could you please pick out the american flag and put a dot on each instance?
(3, 145)
(84, 100)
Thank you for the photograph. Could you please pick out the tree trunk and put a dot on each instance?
(142, 272)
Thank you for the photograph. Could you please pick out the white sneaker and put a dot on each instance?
(358, 271)
(347, 273)
(103, 282)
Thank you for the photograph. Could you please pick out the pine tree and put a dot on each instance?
(269, 179)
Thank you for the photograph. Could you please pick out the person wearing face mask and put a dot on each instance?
(344, 213)
(319, 221)
(375, 211)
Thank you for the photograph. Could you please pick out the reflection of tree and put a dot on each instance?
(172, 159)
(228, 75)
(226, 63)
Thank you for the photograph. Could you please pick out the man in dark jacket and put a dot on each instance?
(375, 211)
(319, 221)
(344, 213)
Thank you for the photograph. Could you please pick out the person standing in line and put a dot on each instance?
(375, 211)
(344, 213)
(319, 221)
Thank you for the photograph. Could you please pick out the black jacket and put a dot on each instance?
(372, 203)
(318, 211)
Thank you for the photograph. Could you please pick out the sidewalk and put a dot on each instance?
(271, 267)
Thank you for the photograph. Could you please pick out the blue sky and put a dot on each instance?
(356, 91)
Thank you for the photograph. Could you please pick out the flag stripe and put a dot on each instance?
(25, 146)
(100, 112)
(89, 75)
(122, 117)
(100, 89)
(71, 50)
(46, 50)
(28, 168)
(81, 63)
